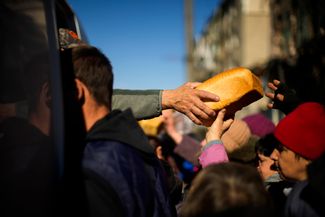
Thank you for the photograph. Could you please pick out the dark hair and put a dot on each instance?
(35, 76)
(226, 189)
(266, 145)
(94, 69)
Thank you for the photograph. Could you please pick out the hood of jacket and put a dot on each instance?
(122, 127)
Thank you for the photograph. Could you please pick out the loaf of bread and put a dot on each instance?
(151, 127)
(237, 88)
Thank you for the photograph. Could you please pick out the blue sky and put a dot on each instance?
(144, 39)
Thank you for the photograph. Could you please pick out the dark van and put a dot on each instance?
(41, 126)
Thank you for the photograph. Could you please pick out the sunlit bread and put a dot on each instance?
(237, 88)
(152, 126)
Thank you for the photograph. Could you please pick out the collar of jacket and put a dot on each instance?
(122, 127)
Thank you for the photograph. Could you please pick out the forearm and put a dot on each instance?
(212, 153)
(144, 104)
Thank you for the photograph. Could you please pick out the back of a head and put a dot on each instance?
(227, 189)
(239, 142)
(94, 69)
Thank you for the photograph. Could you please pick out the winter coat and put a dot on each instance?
(123, 176)
(296, 206)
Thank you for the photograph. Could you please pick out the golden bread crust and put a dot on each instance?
(237, 88)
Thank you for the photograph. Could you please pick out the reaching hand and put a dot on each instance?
(169, 125)
(283, 98)
(274, 86)
(218, 127)
(190, 102)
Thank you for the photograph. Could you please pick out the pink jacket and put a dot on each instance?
(212, 153)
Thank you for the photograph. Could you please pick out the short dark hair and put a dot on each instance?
(36, 74)
(266, 145)
(94, 69)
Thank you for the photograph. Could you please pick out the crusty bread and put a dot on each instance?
(151, 126)
(237, 88)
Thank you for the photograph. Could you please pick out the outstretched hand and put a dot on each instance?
(274, 86)
(218, 127)
(190, 101)
(283, 98)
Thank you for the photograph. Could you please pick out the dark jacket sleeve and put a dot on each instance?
(144, 104)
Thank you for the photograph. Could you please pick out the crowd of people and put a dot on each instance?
(237, 169)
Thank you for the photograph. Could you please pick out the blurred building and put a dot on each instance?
(251, 33)
(237, 34)
(293, 23)
(263, 35)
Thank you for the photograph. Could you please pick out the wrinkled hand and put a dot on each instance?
(190, 102)
(218, 127)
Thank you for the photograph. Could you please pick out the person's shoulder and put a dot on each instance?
(111, 151)
(107, 146)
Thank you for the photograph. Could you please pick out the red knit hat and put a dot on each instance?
(303, 130)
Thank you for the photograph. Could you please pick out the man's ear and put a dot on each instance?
(81, 88)
(46, 94)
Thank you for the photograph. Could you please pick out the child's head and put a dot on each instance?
(224, 189)
(264, 148)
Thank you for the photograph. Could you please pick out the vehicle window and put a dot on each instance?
(41, 124)
(23, 41)
(26, 148)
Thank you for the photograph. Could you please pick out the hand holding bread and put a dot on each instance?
(236, 88)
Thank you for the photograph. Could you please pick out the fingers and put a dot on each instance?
(219, 119)
(204, 96)
(216, 129)
(270, 105)
(227, 124)
(274, 85)
(270, 95)
(190, 102)
(276, 82)
(278, 96)
(202, 112)
(193, 118)
(271, 86)
(192, 84)
(207, 96)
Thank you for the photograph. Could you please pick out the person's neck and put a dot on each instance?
(302, 176)
(93, 113)
(40, 118)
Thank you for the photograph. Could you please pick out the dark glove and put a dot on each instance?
(290, 101)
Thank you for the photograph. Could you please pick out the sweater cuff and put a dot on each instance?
(159, 107)
(211, 143)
